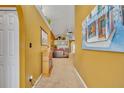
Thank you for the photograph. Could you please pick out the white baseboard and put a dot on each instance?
(37, 81)
(84, 84)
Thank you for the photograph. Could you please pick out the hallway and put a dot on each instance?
(63, 75)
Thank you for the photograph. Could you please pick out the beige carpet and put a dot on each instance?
(62, 76)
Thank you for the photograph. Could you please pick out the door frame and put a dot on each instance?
(15, 9)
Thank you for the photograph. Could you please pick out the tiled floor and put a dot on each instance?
(63, 76)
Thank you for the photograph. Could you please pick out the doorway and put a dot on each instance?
(9, 48)
(73, 47)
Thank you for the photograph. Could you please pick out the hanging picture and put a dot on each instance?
(103, 29)
(44, 37)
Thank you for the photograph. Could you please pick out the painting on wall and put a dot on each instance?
(44, 38)
(103, 29)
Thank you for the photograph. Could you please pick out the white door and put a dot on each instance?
(9, 49)
(72, 47)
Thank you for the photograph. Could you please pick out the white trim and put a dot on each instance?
(84, 84)
(19, 62)
(42, 15)
(37, 81)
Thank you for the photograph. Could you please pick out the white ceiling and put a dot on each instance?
(62, 17)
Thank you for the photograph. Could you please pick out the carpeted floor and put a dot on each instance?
(63, 75)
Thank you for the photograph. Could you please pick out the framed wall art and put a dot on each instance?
(103, 29)
(43, 37)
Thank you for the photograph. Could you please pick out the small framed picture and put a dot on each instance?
(43, 37)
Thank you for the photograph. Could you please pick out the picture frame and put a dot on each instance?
(43, 37)
(103, 29)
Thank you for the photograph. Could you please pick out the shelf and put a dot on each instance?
(42, 15)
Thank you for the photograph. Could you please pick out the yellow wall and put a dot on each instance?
(98, 68)
(22, 46)
(52, 38)
(32, 23)
(30, 59)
